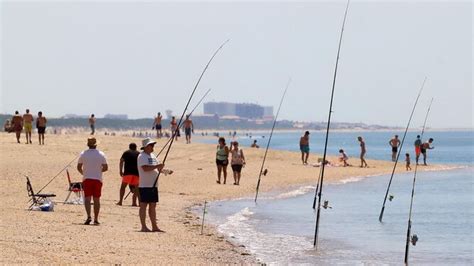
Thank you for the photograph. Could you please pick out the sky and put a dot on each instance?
(139, 58)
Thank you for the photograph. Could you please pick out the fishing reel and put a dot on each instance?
(326, 204)
(390, 197)
(414, 239)
(265, 172)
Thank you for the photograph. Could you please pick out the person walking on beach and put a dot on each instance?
(92, 123)
(28, 125)
(129, 173)
(148, 167)
(417, 148)
(394, 143)
(41, 127)
(304, 147)
(222, 159)
(188, 129)
(174, 128)
(343, 158)
(426, 146)
(237, 162)
(17, 125)
(407, 160)
(91, 164)
(363, 163)
(157, 125)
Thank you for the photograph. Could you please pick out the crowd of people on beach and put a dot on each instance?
(19, 123)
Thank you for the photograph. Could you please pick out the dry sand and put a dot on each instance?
(60, 237)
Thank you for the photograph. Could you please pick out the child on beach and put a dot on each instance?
(407, 160)
(237, 162)
(343, 158)
(222, 159)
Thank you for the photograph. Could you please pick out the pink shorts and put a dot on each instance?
(92, 187)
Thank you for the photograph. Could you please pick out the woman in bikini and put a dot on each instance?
(222, 159)
(174, 128)
(363, 163)
(237, 162)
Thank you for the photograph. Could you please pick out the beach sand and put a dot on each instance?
(61, 237)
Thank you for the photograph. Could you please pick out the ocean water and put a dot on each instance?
(279, 229)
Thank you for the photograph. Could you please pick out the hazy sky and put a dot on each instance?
(141, 58)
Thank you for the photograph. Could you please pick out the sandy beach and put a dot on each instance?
(60, 237)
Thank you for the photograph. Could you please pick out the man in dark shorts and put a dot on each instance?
(91, 164)
(188, 129)
(41, 126)
(426, 146)
(417, 148)
(157, 125)
(394, 143)
(17, 125)
(304, 147)
(148, 168)
(129, 173)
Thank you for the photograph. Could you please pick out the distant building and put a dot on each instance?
(74, 116)
(116, 116)
(242, 110)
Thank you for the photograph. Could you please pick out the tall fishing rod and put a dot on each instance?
(54, 177)
(270, 139)
(186, 107)
(317, 188)
(414, 238)
(400, 151)
(316, 230)
(169, 140)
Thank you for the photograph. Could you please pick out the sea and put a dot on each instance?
(279, 228)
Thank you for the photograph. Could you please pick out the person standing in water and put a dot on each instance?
(426, 146)
(363, 163)
(417, 148)
(304, 147)
(237, 162)
(394, 143)
(41, 127)
(28, 125)
(92, 123)
(188, 129)
(17, 125)
(222, 159)
(157, 125)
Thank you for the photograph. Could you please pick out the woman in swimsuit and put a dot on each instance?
(174, 127)
(363, 163)
(222, 155)
(237, 162)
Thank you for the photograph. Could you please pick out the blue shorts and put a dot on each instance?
(304, 148)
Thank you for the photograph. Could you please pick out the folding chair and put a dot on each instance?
(75, 187)
(37, 199)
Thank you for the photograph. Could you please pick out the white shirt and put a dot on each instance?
(147, 179)
(92, 161)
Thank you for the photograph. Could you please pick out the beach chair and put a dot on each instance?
(75, 187)
(37, 199)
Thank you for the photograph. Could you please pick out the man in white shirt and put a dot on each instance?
(92, 163)
(148, 168)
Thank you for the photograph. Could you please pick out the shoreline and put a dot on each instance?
(192, 183)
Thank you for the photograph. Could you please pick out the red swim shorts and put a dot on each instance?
(92, 187)
(130, 179)
(417, 150)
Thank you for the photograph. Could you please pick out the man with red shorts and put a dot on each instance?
(92, 163)
(129, 173)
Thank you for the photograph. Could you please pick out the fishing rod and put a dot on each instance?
(400, 151)
(264, 172)
(187, 105)
(316, 230)
(414, 238)
(169, 140)
(67, 165)
(317, 188)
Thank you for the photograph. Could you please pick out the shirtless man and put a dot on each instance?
(304, 147)
(394, 143)
(363, 163)
(17, 125)
(188, 129)
(157, 125)
(28, 125)
(41, 126)
(426, 146)
(92, 123)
